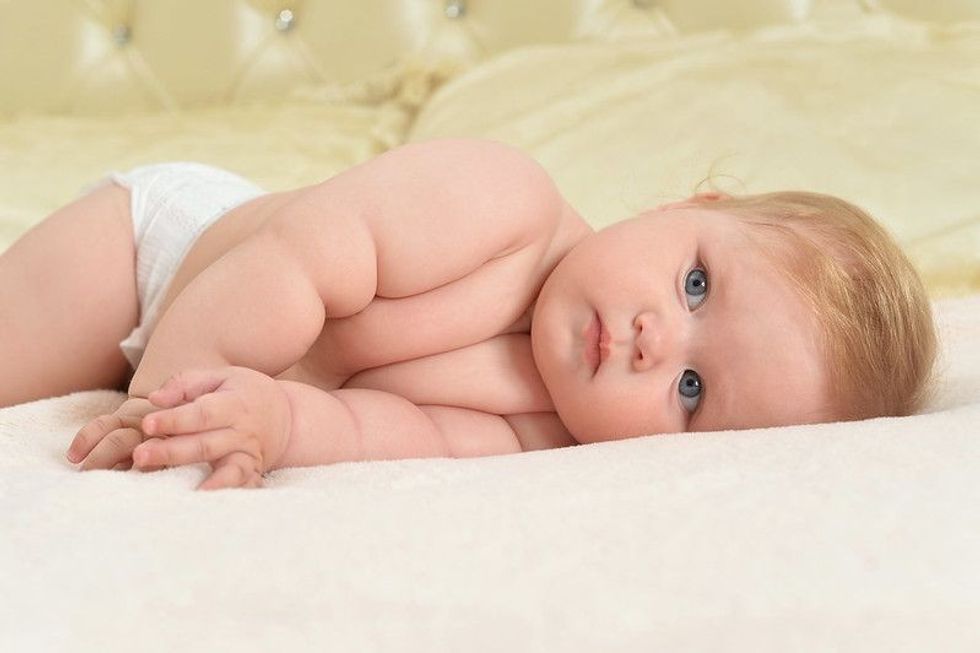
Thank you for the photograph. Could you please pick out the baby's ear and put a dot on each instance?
(710, 197)
(694, 200)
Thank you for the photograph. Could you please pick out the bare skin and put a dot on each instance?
(473, 307)
(370, 350)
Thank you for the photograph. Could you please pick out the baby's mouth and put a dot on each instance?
(592, 352)
(605, 342)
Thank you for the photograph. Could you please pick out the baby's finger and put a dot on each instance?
(185, 386)
(91, 434)
(194, 448)
(128, 465)
(113, 448)
(235, 470)
(212, 411)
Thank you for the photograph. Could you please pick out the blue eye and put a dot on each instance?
(690, 390)
(696, 286)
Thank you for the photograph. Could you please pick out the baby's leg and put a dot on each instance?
(67, 297)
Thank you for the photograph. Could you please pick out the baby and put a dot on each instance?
(443, 299)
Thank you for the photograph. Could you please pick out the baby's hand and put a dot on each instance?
(234, 418)
(108, 441)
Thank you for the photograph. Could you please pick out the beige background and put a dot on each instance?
(627, 102)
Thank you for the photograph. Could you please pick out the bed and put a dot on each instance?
(861, 536)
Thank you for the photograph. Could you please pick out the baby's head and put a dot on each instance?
(734, 312)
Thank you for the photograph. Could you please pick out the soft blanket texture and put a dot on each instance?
(848, 537)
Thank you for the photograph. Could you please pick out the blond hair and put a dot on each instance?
(876, 323)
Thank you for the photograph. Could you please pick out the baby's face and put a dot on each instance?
(703, 333)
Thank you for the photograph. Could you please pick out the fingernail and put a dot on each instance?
(70, 456)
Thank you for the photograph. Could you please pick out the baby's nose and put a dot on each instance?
(656, 340)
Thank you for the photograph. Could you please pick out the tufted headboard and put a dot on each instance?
(871, 100)
(93, 57)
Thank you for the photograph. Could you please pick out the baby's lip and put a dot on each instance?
(605, 342)
(591, 337)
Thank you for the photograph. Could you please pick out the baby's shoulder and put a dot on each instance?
(424, 214)
(468, 188)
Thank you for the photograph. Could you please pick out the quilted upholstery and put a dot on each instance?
(873, 100)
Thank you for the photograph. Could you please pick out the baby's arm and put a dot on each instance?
(414, 218)
(359, 424)
(258, 306)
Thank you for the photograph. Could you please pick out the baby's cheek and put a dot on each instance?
(604, 417)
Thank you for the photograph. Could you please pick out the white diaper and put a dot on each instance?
(171, 205)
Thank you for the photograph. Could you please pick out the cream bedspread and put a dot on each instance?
(882, 112)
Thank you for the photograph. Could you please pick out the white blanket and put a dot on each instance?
(849, 537)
